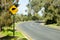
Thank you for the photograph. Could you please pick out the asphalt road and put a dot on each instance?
(38, 32)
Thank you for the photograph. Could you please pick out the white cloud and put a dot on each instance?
(22, 6)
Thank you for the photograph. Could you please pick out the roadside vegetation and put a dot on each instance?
(6, 22)
(52, 10)
(7, 34)
(51, 13)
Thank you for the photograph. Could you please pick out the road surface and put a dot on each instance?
(38, 32)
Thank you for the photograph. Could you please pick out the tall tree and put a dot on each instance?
(52, 9)
(5, 16)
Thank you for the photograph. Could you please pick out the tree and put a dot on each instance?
(52, 9)
(5, 16)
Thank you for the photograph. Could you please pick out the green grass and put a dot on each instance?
(53, 26)
(19, 34)
(9, 32)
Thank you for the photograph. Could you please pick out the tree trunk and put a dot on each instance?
(0, 28)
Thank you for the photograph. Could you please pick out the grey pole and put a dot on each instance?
(13, 25)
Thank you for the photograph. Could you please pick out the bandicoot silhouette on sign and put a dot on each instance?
(13, 9)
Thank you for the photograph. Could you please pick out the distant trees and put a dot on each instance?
(52, 10)
(27, 17)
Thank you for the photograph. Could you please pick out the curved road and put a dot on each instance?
(38, 32)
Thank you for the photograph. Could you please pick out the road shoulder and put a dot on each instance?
(20, 30)
(51, 26)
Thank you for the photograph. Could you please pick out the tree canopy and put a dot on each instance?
(52, 9)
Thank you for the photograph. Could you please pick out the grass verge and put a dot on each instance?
(54, 26)
(9, 31)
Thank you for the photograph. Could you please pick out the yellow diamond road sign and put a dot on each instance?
(13, 9)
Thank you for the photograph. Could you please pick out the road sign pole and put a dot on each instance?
(13, 9)
(14, 25)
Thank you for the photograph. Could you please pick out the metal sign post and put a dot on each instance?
(13, 25)
(13, 9)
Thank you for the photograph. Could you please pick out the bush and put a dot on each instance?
(58, 24)
(35, 18)
(50, 21)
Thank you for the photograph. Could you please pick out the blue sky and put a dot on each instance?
(22, 6)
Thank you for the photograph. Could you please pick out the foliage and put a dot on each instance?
(5, 15)
(7, 32)
(28, 17)
(52, 9)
